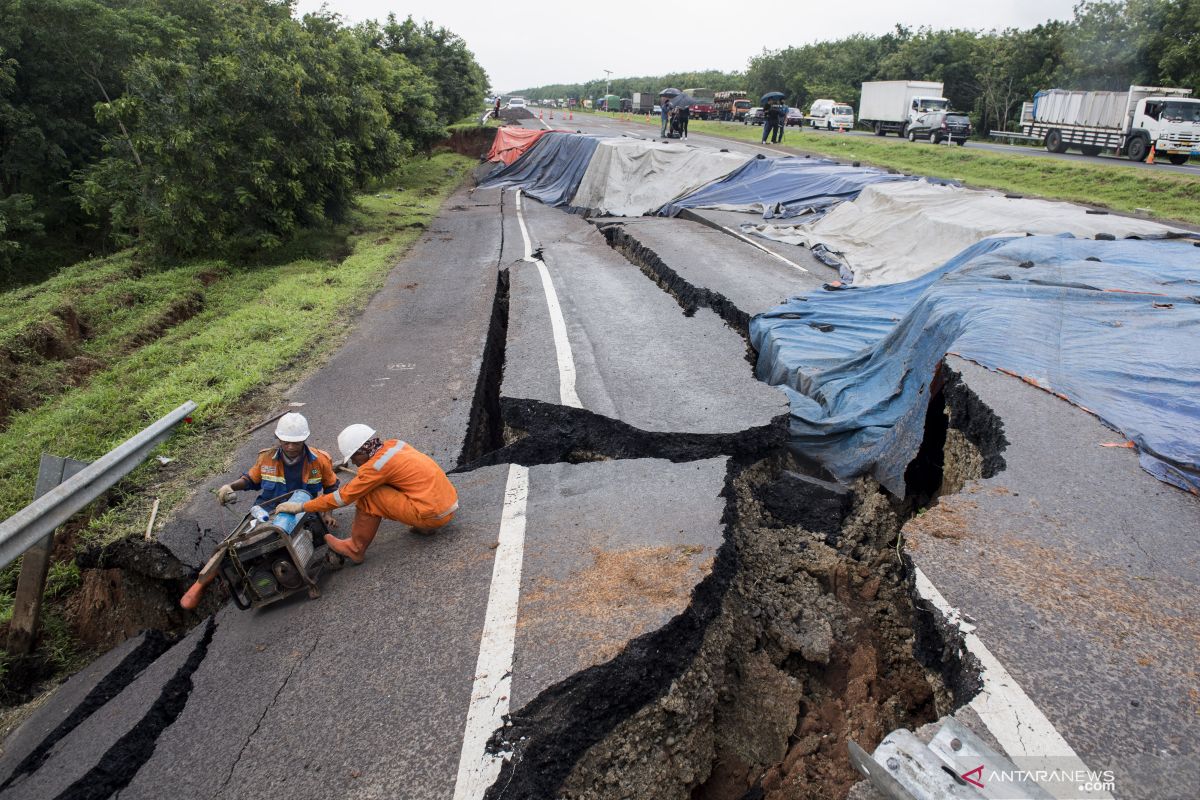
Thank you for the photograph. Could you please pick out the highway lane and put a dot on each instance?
(633, 355)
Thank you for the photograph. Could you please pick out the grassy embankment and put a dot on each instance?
(103, 348)
(1164, 195)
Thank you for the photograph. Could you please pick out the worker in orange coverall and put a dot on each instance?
(394, 480)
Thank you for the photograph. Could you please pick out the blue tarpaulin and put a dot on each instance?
(551, 170)
(783, 187)
(1110, 325)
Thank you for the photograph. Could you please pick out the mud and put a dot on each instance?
(515, 114)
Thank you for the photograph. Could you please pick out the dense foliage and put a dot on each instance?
(193, 126)
(1109, 44)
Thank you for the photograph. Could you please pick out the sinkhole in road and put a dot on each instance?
(808, 632)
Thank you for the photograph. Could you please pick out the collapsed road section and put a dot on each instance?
(649, 590)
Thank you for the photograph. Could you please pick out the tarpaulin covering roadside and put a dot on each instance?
(783, 187)
(511, 143)
(1111, 326)
(632, 177)
(550, 170)
(897, 231)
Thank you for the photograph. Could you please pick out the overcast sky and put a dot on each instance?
(538, 42)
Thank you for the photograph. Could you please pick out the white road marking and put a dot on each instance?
(558, 325)
(478, 769)
(766, 250)
(1018, 725)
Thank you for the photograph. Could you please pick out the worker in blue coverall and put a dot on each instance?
(290, 465)
(662, 104)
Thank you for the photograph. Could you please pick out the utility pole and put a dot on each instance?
(607, 74)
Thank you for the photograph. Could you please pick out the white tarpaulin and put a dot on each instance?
(632, 177)
(898, 231)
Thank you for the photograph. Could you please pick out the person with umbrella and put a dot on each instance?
(665, 97)
(771, 122)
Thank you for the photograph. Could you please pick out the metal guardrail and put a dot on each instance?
(39, 519)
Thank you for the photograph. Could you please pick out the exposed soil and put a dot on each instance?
(805, 635)
(24, 382)
(470, 142)
(177, 312)
(515, 114)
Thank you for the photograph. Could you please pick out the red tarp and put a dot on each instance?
(511, 142)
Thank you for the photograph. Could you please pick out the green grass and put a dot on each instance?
(254, 328)
(1164, 195)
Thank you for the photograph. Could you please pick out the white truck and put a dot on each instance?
(890, 106)
(1132, 123)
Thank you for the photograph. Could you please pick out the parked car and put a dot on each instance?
(794, 117)
(516, 102)
(937, 126)
(754, 116)
(657, 109)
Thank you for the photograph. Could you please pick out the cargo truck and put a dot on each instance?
(731, 106)
(643, 102)
(1135, 123)
(890, 106)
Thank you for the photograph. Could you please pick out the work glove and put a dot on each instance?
(225, 494)
(289, 508)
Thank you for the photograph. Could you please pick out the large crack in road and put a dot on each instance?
(804, 632)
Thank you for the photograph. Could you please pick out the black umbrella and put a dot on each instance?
(682, 101)
(771, 96)
(670, 93)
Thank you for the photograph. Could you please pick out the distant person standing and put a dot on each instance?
(496, 109)
(663, 103)
(768, 120)
(684, 114)
(780, 120)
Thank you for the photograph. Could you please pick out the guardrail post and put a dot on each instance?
(35, 564)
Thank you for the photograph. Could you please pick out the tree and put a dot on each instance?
(442, 55)
(253, 128)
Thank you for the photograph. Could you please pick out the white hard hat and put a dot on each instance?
(353, 437)
(292, 427)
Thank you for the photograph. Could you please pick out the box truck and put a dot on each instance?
(1133, 123)
(643, 102)
(889, 106)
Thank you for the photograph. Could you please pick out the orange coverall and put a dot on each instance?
(398, 483)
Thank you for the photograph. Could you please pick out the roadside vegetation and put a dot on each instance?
(124, 339)
(196, 199)
(1165, 195)
(1108, 44)
(186, 128)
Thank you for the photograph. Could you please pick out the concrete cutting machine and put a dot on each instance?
(268, 557)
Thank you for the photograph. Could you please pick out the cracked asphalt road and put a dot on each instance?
(365, 692)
